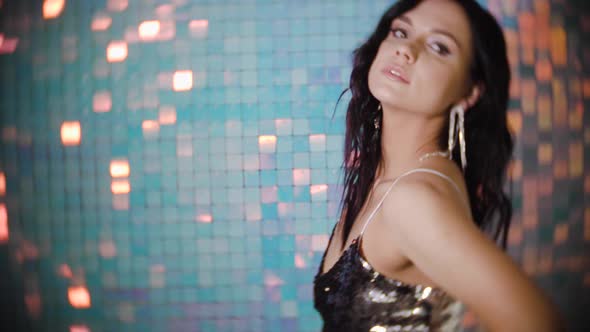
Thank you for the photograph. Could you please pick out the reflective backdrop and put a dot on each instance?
(175, 165)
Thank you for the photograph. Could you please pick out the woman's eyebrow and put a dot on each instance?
(407, 20)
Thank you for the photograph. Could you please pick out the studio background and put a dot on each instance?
(175, 165)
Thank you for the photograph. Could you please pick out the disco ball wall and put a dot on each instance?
(176, 165)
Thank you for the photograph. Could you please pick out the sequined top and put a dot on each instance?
(352, 296)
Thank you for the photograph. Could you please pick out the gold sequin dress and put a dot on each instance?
(352, 296)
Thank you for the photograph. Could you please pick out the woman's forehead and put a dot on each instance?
(446, 15)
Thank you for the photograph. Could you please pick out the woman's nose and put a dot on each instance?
(405, 52)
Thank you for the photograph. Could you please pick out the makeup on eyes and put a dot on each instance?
(408, 21)
(439, 47)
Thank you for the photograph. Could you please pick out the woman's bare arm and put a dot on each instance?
(435, 231)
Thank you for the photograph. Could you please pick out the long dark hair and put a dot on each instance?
(489, 142)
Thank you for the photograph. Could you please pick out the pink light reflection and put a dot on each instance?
(272, 280)
(158, 268)
(251, 163)
(284, 209)
(284, 126)
(29, 250)
(199, 28)
(267, 143)
(167, 30)
(317, 142)
(119, 168)
(52, 8)
(150, 127)
(166, 11)
(268, 194)
(319, 192)
(148, 30)
(2, 184)
(117, 5)
(9, 134)
(65, 271)
(33, 303)
(121, 202)
(107, 249)
(165, 80)
(182, 80)
(71, 133)
(101, 22)
(4, 234)
(131, 35)
(253, 212)
(102, 102)
(8, 45)
(120, 187)
(79, 297)
(300, 261)
(318, 189)
(205, 218)
(301, 176)
(157, 276)
(117, 51)
(167, 115)
(79, 328)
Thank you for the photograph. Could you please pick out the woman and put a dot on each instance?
(426, 154)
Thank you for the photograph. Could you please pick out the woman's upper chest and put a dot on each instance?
(374, 239)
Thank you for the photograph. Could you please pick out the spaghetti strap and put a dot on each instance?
(416, 170)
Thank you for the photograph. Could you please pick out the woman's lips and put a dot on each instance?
(396, 73)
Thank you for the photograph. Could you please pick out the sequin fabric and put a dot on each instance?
(352, 296)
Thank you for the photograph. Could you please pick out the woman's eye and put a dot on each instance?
(398, 33)
(440, 48)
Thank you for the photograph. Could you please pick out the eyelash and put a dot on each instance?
(442, 49)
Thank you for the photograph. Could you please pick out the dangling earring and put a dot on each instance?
(457, 111)
(377, 120)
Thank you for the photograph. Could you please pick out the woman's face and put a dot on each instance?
(422, 65)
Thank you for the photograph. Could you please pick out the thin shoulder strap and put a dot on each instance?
(416, 170)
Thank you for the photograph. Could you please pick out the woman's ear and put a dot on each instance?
(476, 92)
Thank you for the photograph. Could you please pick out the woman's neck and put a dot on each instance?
(405, 136)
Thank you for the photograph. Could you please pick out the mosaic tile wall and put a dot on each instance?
(175, 165)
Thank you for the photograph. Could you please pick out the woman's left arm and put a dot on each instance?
(435, 231)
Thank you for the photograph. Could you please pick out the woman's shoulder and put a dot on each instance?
(434, 184)
(425, 219)
(425, 196)
(426, 205)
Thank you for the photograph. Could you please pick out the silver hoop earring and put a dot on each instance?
(457, 112)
